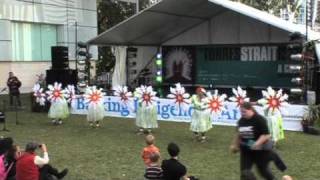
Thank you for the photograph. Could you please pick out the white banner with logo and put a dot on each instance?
(168, 111)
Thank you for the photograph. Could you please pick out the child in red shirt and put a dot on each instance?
(149, 149)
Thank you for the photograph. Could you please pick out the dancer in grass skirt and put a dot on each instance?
(59, 109)
(200, 119)
(273, 102)
(146, 116)
(94, 97)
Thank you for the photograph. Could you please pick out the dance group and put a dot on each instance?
(253, 129)
(205, 106)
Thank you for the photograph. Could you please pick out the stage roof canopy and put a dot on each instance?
(168, 19)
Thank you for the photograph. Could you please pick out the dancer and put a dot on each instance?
(273, 102)
(146, 118)
(59, 109)
(94, 97)
(200, 120)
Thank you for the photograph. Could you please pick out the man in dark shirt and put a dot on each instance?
(14, 84)
(252, 134)
(172, 168)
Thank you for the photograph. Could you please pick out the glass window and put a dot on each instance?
(32, 42)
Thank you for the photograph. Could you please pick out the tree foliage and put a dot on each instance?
(273, 6)
(110, 13)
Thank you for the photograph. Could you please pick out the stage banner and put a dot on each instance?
(168, 111)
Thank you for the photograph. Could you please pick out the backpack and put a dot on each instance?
(3, 171)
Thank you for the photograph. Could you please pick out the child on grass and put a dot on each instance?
(154, 171)
(149, 149)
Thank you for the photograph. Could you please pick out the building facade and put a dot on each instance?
(28, 29)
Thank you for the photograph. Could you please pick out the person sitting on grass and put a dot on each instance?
(286, 177)
(154, 171)
(149, 149)
(33, 167)
(172, 168)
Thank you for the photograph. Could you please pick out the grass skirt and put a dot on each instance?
(275, 124)
(59, 110)
(200, 121)
(146, 117)
(95, 112)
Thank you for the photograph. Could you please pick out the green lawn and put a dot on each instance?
(112, 152)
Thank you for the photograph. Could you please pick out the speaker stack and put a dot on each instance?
(60, 71)
(60, 58)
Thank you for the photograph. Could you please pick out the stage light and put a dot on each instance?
(295, 67)
(159, 62)
(159, 72)
(159, 56)
(296, 91)
(159, 79)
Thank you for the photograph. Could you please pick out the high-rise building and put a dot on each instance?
(28, 29)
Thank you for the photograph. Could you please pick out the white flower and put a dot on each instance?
(273, 100)
(123, 93)
(38, 93)
(146, 95)
(94, 95)
(179, 95)
(55, 92)
(215, 102)
(70, 93)
(240, 96)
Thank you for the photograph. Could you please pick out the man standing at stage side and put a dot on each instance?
(14, 84)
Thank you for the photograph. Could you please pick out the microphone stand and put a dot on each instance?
(16, 110)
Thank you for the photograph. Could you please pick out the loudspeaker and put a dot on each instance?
(64, 76)
(59, 57)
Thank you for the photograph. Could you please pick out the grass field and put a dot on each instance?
(112, 152)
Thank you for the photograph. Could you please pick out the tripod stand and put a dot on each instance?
(3, 117)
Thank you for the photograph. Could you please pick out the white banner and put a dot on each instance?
(168, 111)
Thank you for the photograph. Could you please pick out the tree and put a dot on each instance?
(110, 13)
(275, 6)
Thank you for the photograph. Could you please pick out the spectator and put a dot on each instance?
(172, 168)
(149, 149)
(286, 177)
(10, 161)
(154, 171)
(33, 167)
(14, 84)
(252, 134)
(5, 144)
(5, 168)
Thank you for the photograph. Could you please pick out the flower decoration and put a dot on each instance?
(70, 93)
(215, 102)
(273, 100)
(39, 94)
(123, 93)
(240, 96)
(93, 95)
(179, 95)
(146, 95)
(55, 92)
